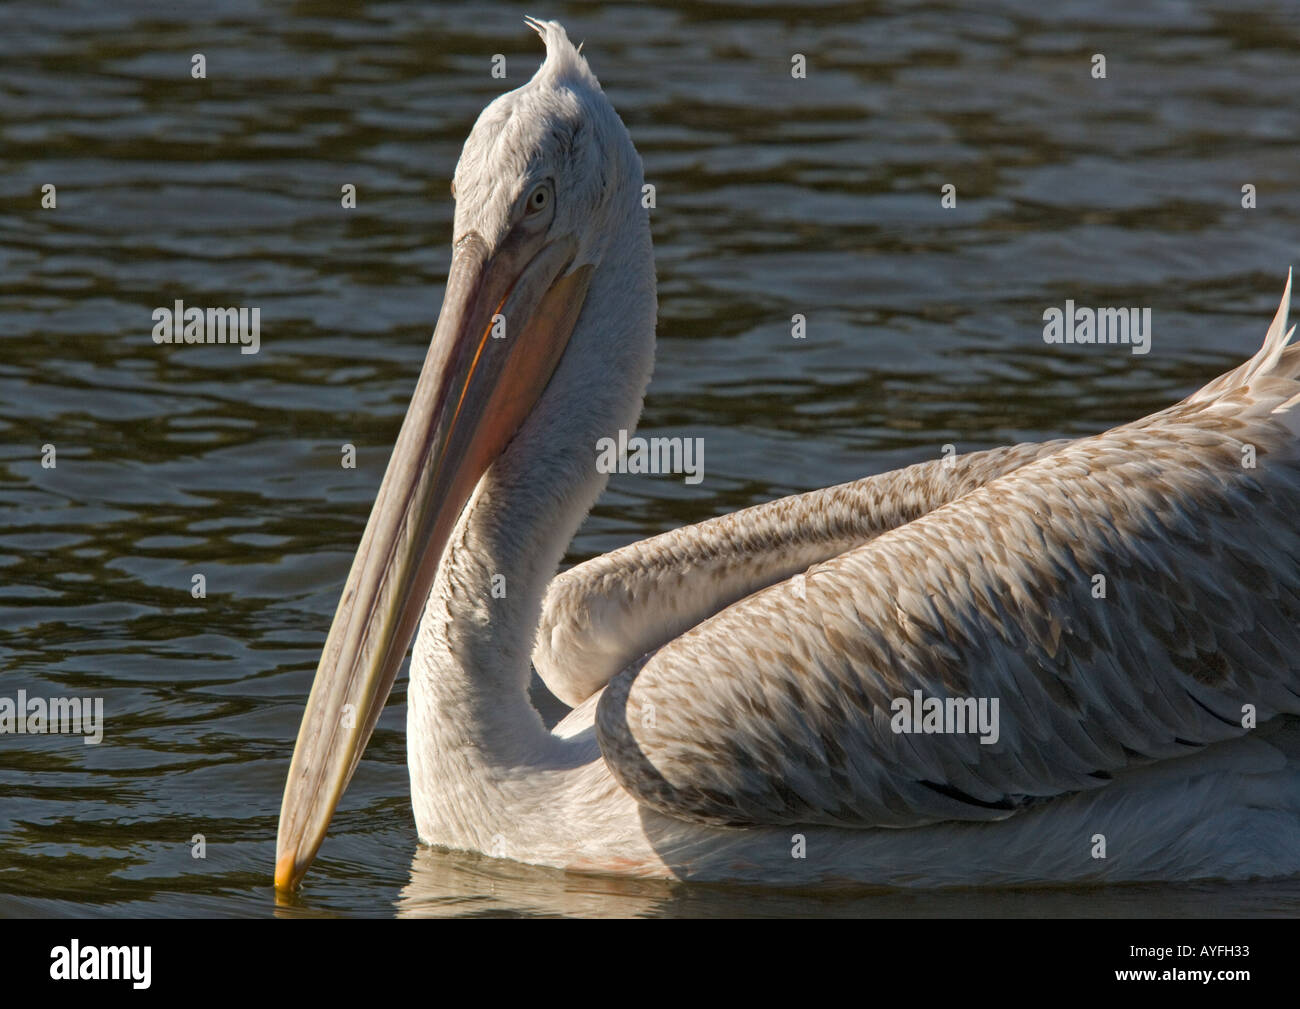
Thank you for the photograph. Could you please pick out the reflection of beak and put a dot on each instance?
(474, 392)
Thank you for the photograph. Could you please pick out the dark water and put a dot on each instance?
(775, 196)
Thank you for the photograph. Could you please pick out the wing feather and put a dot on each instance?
(603, 614)
(779, 709)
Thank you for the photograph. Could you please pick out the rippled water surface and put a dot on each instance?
(775, 196)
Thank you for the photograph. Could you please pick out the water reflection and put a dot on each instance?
(451, 884)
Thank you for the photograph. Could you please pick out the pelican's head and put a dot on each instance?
(551, 158)
(547, 185)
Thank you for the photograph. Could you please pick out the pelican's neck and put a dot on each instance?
(471, 665)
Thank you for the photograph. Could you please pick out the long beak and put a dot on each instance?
(475, 389)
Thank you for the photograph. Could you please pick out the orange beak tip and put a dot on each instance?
(284, 873)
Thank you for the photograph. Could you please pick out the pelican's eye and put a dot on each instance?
(539, 199)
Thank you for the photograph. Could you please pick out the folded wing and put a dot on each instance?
(605, 613)
(1126, 598)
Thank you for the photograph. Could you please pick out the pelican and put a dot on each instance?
(740, 688)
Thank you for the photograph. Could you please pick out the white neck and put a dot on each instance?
(469, 715)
